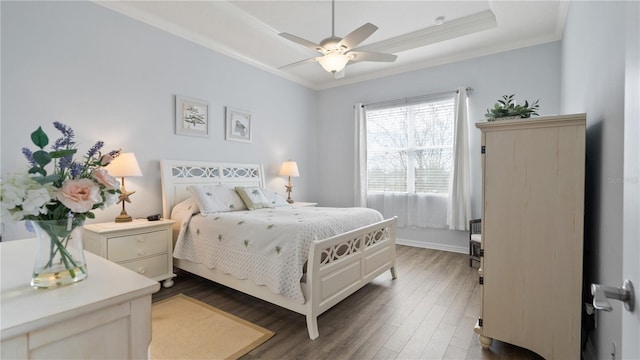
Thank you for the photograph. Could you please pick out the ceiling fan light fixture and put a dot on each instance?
(334, 62)
(336, 51)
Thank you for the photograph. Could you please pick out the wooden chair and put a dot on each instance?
(475, 241)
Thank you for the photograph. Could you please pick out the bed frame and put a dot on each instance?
(337, 267)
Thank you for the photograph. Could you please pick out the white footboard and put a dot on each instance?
(340, 265)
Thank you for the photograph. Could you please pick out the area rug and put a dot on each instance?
(185, 328)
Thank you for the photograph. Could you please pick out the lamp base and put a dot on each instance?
(123, 217)
(289, 188)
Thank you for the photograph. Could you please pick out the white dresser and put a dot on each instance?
(532, 233)
(140, 245)
(105, 316)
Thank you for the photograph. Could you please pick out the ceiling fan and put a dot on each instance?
(337, 52)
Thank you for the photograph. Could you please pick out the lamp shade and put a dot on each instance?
(334, 62)
(289, 168)
(124, 165)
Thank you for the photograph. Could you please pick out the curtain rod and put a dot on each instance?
(406, 100)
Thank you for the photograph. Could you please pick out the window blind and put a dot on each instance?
(410, 145)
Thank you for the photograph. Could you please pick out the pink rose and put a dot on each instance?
(79, 195)
(106, 159)
(103, 178)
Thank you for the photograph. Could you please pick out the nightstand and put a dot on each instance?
(304, 204)
(141, 245)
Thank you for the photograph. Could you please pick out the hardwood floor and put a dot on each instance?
(428, 312)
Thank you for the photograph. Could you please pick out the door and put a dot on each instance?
(631, 182)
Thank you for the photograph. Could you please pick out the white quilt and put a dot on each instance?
(269, 246)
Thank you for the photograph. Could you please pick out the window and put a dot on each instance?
(410, 147)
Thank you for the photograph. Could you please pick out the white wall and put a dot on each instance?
(593, 81)
(531, 73)
(113, 78)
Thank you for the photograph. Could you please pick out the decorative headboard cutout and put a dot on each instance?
(177, 175)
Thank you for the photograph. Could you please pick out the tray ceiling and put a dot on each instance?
(248, 30)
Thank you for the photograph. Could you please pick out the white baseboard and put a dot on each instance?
(433, 246)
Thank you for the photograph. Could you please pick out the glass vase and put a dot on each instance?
(60, 254)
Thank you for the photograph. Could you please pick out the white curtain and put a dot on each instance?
(412, 210)
(420, 210)
(360, 161)
(459, 206)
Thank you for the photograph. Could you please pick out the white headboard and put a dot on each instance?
(176, 175)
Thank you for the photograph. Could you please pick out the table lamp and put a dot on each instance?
(289, 168)
(123, 166)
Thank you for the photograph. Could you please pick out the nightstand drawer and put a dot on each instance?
(150, 267)
(140, 245)
(131, 247)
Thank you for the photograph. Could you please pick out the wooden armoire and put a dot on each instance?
(532, 233)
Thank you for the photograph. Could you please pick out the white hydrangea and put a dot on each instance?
(22, 196)
(110, 199)
(35, 201)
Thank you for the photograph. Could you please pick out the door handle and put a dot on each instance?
(602, 292)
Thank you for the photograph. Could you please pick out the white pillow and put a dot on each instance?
(274, 198)
(213, 199)
(253, 197)
(186, 207)
(182, 213)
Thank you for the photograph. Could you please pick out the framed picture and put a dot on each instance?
(192, 117)
(238, 125)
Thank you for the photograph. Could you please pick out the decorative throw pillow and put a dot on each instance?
(212, 199)
(274, 198)
(253, 197)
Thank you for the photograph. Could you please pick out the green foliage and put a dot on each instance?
(507, 107)
(40, 138)
(42, 158)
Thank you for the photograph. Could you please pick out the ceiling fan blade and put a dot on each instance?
(357, 36)
(371, 56)
(301, 41)
(301, 62)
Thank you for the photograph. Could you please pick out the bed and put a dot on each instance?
(335, 267)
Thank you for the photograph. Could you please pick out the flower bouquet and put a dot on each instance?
(56, 202)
